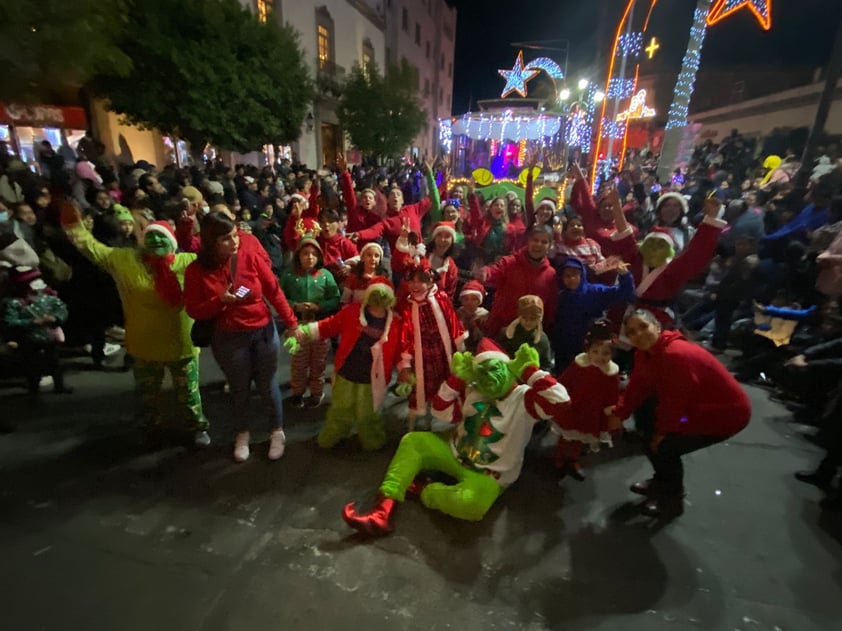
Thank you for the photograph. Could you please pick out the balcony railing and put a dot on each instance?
(330, 77)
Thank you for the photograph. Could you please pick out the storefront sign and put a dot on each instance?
(43, 116)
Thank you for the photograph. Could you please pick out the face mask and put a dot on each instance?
(4, 215)
(205, 209)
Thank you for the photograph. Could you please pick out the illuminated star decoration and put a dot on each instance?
(762, 10)
(517, 77)
(637, 108)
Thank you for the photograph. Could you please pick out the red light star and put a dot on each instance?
(762, 10)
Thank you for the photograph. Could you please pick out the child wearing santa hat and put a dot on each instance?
(369, 346)
(440, 249)
(430, 333)
(471, 312)
(363, 271)
(593, 382)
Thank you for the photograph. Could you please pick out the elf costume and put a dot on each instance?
(367, 353)
(157, 327)
(494, 416)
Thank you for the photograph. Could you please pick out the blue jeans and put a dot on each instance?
(245, 356)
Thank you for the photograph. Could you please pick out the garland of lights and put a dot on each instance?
(619, 88)
(500, 127)
(762, 10)
(630, 44)
(519, 75)
(689, 67)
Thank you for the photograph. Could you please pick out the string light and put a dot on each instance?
(446, 135)
(689, 67)
(762, 10)
(517, 77)
(619, 88)
(506, 126)
(637, 108)
(630, 44)
(546, 65)
(613, 129)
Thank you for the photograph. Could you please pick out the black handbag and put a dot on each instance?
(202, 330)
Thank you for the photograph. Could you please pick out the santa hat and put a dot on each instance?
(371, 246)
(164, 228)
(421, 265)
(547, 201)
(22, 275)
(488, 350)
(660, 232)
(473, 288)
(300, 198)
(445, 226)
(677, 197)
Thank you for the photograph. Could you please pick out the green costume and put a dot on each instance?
(157, 333)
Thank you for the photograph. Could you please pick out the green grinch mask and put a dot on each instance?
(157, 244)
(380, 299)
(494, 378)
(655, 252)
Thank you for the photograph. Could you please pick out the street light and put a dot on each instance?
(564, 94)
(583, 83)
(598, 96)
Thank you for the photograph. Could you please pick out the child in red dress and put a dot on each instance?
(593, 381)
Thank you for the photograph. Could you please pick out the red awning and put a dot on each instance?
(67, 117)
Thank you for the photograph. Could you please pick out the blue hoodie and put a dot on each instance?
(579, 307)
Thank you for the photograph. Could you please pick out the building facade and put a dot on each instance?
(423, 32)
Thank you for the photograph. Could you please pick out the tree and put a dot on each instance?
(382, 114)
(49, 45)
(209, 71)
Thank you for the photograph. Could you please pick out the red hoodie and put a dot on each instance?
(695, 393)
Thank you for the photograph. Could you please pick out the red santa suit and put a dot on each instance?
(430, 333)
(358, 217)
(657, 288)
(591, 389)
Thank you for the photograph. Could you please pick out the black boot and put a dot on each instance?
(821, 477)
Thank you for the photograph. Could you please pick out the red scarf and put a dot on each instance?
(166, 282)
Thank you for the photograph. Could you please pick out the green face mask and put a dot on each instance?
(655, 252)
(494, 379)
(157, 244)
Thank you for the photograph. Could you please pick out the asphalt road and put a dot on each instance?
(98, 533)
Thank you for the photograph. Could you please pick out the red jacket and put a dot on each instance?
(358, 217)
(591, 390)
(385, 352)
(695, 393)
(600, 231)
(390, 227)
(203, 289)
(335, 248)
(514, 276)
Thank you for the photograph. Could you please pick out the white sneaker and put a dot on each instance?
(116, 333)
(277, 444)
(110, 349)
(241, 447)
(201, 439)
(46, 381)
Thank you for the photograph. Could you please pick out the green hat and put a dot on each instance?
(121, 213)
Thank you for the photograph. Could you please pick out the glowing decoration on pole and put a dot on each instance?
(630, 45)
(762, 10)
(652, 48)
(620, 88)
(547, 65)
(517, 77)
(616, 130)
(689, 67)
(637, 109)
(446, 135)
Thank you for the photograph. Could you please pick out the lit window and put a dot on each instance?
(324, 46)
(264, 9)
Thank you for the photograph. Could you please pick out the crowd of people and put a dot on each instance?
(601, 304)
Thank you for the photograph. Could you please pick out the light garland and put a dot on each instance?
(446, 135)
(547, 65)
(762, 10)
(613, 129)
(619, 88)
(637, 109)
(517, 77)
(689, 67)
(630, 44)
(506, 126)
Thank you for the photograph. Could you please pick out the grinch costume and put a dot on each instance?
(157, 327)
(494, 416)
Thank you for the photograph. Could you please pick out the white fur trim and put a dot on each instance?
(373, 245)
(153, 227)
(510, 330)
(649, 277)
(584, 361)
(448, 394)
(547, 202)
(489, 355)
(716, 223)
(677, 197)
(663, 236)
(448, 229)
(618, 235)
(472, 292)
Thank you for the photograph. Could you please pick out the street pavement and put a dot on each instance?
(99, 533)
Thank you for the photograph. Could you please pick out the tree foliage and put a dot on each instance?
(53, 44)
(209, 71)
(381, 113)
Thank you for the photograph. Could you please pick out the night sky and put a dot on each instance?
(802, 35)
